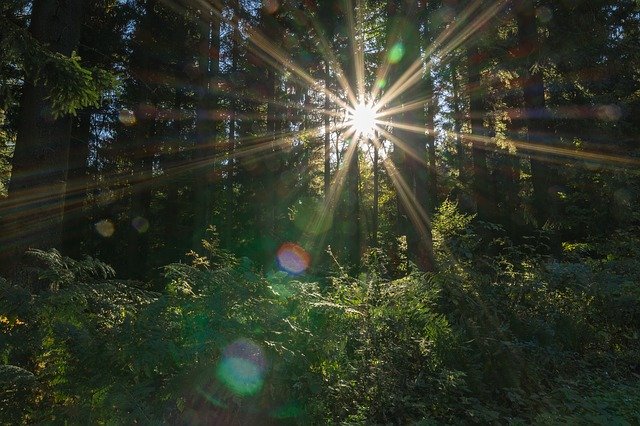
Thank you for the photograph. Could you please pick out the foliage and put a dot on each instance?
(6, 152)
(70, 86)
(531, 341)
(529, 313)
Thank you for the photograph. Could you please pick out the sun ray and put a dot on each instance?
(414, 72)
(332, 61)
(271, 53)
(542, 148)
(421, 130)
(263, 48)
(417, 214)
(259, 40)
(330, 203)
(397, 142)
(356, 46)
(409, 106)
(450, 29)
(32, 207)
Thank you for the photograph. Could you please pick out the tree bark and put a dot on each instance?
(34, 209)
(327, 136)
(542, 174)
(412, 163)
(457, 126)
(206, 129)
(75, 223)
(430, 114)
(142, 145)
(477, 107)
(376, 193)
(352, 219)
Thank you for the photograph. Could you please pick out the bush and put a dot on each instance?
(508, 338)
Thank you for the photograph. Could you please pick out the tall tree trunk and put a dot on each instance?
(206, 129)
(34, 209)
(327, 135)
(173, 248)
(412, 163)
(352, 220)
(140, 202)
(75, 224)
(376, 193)
(542, 174)
(328, 21)
(142, 145)
(430, 115)
(457, 126)
(477, 107)
(231, 161)
(430, 111)
(272, 160)
(508, 171)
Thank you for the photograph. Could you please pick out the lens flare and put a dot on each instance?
(293, 259)
(140, 224)
(270, 6)
(544, 14)
(105, 228)
(242, 367)
(623, 197)
(127, 117)
(396, 53)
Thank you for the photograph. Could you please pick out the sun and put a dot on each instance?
(363, 119)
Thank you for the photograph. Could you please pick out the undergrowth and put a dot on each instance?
(511, 337)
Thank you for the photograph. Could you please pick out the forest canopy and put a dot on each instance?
(319, 212)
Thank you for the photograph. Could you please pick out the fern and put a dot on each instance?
(61, 271)
(18, 387)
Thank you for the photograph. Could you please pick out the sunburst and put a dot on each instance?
(362, 118)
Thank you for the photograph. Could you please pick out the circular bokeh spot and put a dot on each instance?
(105, 228)
(127, 117)
(608, 112)
(140, 224)
(293, 259)
(623, 197)
(544, 14)
(242, 367)
(396, 53)
(270, 6)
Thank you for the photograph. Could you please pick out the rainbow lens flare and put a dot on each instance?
(140, 224)
(293, 259)
(242, 367)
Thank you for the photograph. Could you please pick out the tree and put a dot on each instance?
(33, 213)
(101, 48)
(534, 104)
(207, 122)
(412, 158)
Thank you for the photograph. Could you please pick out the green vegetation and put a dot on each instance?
(528, 340)
(319, 212)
